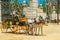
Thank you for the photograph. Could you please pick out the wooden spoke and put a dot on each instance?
(4, 28)
(30, 28)
(14, 29)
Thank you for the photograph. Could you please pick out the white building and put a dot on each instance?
(33, 11)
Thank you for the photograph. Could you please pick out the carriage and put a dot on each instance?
(14, 26)
(17, 26)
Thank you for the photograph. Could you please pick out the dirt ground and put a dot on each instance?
(51, 32)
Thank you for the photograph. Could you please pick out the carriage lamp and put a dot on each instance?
(10, 22)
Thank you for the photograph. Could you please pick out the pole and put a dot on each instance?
(47, 11)
(58, 11)
(47, 20)
(47, 8)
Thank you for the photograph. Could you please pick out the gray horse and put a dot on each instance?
(34, 25)
(38, 24)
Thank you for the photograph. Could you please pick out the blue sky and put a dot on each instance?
(39, 2)
(21, 1)
(42, 2)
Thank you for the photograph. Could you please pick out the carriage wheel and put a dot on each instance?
(4, 28)
(14, 29)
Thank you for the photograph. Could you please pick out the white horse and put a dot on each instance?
(30, 22)
(38, 25)
(33, 25)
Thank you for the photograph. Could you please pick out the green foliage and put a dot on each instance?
(15, 5)
(46, 9)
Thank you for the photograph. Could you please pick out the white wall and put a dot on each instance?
(32, 11)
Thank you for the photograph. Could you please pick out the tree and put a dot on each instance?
(15, 5)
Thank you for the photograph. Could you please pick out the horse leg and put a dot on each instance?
(41, 29)
(38, 29)
(27, 29)
(34, 29)
(31, 29)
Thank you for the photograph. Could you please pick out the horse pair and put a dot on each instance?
(35, 26)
